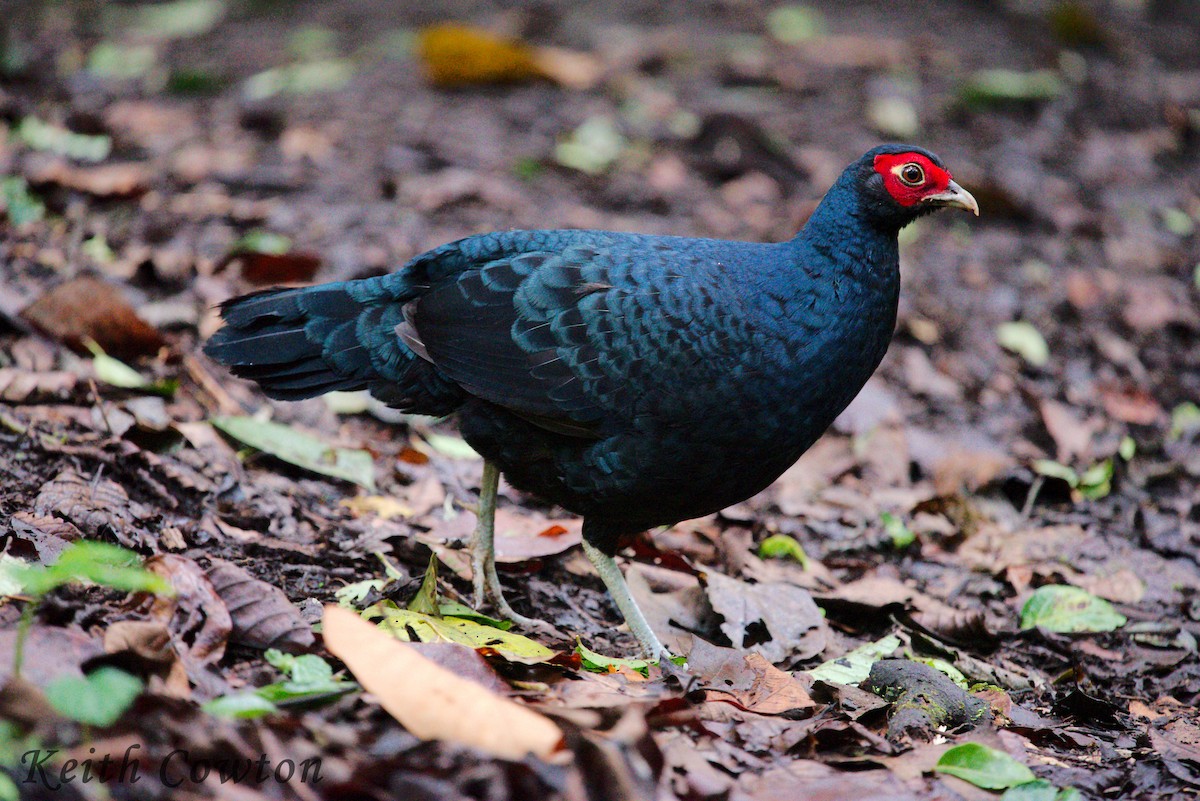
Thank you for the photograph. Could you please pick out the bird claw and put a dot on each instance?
(487, 588)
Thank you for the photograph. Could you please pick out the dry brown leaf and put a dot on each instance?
(25, 386)
(262, 615)
(151, 642)
(1072, 434)
(569, 68)
(430, 701)
(747, 681)
(195, 615)
(1131, 404)
(96, 506)
(776, 619)
(88, 308)
(125, 180)
(268, 269)
(49, 535)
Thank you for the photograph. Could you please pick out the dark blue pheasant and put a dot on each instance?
(635, 380)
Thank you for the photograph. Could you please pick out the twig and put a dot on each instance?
(225, 402)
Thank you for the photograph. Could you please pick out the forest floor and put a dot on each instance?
(1033, 426)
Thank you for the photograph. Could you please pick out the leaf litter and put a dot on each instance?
(1024, 521)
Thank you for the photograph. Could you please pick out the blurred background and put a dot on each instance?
(194, 148)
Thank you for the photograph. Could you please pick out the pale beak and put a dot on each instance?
(954, 195)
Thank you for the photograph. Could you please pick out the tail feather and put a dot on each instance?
(300, 343)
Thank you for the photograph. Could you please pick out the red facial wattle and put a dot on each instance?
(890, 166)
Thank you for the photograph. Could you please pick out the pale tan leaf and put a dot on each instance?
(430, 701)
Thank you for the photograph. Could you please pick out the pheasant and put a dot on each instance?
(634, 380)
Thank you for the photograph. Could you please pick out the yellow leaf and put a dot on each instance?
(430, 701)
(385, 506)
(459, 630)
(460, 55)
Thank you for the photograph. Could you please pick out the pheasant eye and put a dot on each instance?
(912, 174)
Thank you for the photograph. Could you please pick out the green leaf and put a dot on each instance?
(793, 23)
(120, 61)
(983, 767)
(98, 699)
(1096, 482)
(247, 704)
(20, 205)
(1067, 609)
(454, 447)
(425, 601)
(1184, 418)
(855, 666)
(11, 568)
(1053, 469)
(1039, 790)
(299, 79)
(900, 534)
(598, 663)
(592, 147)
(301, 449)
(172, 20)
(310, 680)
(452, 609)
(992, 87)
(263, 242)
(1178, 221)
(352, 595)
(1128, 448)
(405, 624)
(118, 374)
(8, 789)
(56, 139)
(1023, 339)
(782, 546)
(98, 562)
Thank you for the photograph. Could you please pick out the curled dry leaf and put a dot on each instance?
(262, 615)
(97, 506)
(776, 619)
(195, 615)
(25, 386)
(88, 308)
(151, 643)
(49, 535)
(432, 702)
(747, 681)
(125, 180)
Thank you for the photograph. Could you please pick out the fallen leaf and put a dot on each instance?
(983, 767)
(747, 681)
(1071, 433)
(88, 308)
(855, 666)
(776, 619)
(199, 621)
(151, 642)
(405, 623)
(1066, 609)
(1024, 340)
(262, 615)
(432, 702)
(384, 506)
(126, 180)
(96, 506)
(461, 55)
(301, 449)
